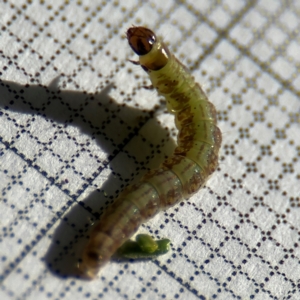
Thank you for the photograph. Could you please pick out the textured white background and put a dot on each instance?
(76, 126)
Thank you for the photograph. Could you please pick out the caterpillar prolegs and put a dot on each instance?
(180, 175)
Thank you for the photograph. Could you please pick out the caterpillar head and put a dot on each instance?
(141, 39)
(153, 54)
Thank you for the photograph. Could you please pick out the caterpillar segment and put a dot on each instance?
(180, 175)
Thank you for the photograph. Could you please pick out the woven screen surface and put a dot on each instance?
(77, 126)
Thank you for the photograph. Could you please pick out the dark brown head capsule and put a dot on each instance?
(141, 39)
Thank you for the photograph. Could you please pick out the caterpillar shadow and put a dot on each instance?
(131, 139)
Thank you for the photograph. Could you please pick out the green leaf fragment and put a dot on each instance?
(146, 243)
(144, 247)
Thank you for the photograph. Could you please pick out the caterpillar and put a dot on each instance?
(180, 175)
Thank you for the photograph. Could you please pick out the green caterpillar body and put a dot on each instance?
(180, 175)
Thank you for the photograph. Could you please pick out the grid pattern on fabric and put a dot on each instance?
(77, 126)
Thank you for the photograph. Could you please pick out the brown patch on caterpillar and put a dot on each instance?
(181, 98)
(167, 185)
(166, 86)
(202, 154)
(191, 176)
(204, 110)
(205, 132)
(139, 194)
(125, 212)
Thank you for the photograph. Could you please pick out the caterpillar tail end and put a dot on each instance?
(92, 260)
(90, 266)
(96, 254)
